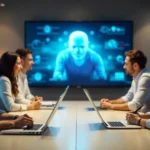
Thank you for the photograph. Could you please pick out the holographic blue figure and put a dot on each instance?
(78, 62)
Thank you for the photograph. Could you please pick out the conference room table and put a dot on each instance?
(76, 126)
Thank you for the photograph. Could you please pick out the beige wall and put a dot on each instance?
(12, 18)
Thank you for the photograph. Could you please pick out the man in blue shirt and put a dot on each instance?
(138, 94)
(79, 63)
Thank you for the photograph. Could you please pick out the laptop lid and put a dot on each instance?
(41, 127)
(90, 99)
(56, 105)
(111, 124)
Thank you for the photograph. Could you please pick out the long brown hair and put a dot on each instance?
(7, 63)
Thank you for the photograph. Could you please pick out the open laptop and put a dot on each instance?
(111, 124)
(37, 128)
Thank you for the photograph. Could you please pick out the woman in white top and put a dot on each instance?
(10, 66)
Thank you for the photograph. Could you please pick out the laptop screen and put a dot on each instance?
(56, 105)
(90, 99)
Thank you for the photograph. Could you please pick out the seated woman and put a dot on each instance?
(8, 121)
(139, 119)
(10, 66)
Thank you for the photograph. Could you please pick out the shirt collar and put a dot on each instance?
(138, 75)
(22, 75)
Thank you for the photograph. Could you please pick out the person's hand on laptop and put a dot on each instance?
(23, 120)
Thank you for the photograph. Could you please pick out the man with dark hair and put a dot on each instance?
(138, 94)
(27, 62)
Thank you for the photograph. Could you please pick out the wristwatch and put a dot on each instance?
(138, 122)
(17, 116)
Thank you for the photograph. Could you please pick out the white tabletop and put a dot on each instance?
(76, 126)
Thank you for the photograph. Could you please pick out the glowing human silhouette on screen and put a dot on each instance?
(78, 62)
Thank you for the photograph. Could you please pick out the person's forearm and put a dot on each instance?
(30, 107)
(6, 116)
(120, 106)
(32, 99)
(7, 125)
(118, 101)
(144, 116)
(143, 123)
(22, 100)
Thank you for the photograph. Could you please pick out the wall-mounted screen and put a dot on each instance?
(78, 53)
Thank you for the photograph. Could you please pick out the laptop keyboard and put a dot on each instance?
(35, 127)
(116, 124)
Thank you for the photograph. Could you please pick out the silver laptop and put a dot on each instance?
(111, 124)
(37, 128)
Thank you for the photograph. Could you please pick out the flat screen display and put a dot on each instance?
(87, 53)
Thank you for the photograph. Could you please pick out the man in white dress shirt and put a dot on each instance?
(139, 119)
(139, 92)
(27, 62)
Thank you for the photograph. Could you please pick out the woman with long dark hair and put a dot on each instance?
(10, 66)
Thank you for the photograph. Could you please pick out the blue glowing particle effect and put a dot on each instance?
(111, 44)
(118, 29)
(47, 29)
(120, 59)
(92, 32)
(60, 40)
(66, 44)
(45, 49)
(47, 39)
(37, 59)
(49, 67)
(65, 33)
(92, 46)
(36, 43)
(38, 76)
(119, 76)
(109, 57)
(113, 28)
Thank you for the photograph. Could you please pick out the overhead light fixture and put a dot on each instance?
(2, 4)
